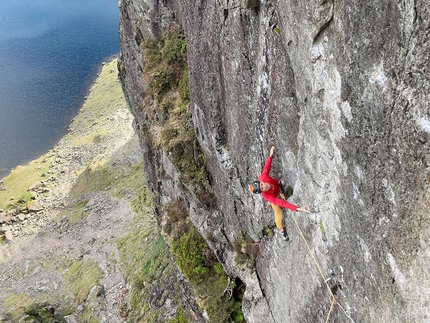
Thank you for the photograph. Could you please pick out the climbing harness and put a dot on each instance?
(326, 280)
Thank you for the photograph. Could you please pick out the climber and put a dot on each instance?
(270, 190)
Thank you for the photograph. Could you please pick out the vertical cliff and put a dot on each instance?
(342, 90)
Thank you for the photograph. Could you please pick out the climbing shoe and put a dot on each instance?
(285, 235)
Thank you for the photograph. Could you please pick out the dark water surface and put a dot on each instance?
(50, 53)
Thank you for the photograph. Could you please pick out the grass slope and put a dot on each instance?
(98, 159)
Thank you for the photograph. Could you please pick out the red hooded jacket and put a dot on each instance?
(272, 194)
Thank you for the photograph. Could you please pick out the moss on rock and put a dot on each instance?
(81, 277)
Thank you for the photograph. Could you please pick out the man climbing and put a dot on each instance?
(269, 189)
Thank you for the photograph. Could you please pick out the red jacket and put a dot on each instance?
(272, 194)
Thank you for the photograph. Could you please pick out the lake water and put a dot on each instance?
(50, 53)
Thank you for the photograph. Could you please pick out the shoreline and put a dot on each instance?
(79, 136)
(100, 66)
(87, 198)
(108, 60)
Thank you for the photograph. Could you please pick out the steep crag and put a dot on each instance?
(342, 90)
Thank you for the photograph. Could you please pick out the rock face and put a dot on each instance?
(342, 90)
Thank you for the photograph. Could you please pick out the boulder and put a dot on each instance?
(8, 234)
(35, 207)
(71, 319)
(35, 186)
(6, 218)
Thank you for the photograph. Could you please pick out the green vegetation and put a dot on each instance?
(170, 127)
(199, 264)
(322, 227)
(165, 61)
(205, 273)
(81, 277)
(25, 198)
(16, 304)
(268, 231)
(288, 192)
(20, 179)
(166, 98)
(189, 250)
(143, 252)
(47, 313)
(146, 260)
(180, 317)
(237, 295)
(95, 178)
(88, 316)
(104, 99)
(19, 305)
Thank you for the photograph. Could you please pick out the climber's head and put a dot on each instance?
(254, 187)
(257, 187)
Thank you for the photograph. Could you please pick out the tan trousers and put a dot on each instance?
(279, 216)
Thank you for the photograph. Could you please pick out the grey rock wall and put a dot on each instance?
(342, 90)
